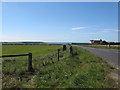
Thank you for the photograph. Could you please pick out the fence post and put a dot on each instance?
(71, 50)
(30, 68)
(58, 54)
(64, 47)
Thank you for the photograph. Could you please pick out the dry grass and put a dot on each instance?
(103, 46)
(106, 45)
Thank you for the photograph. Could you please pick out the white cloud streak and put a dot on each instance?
(78, 28)
(116, 30)
(107, 30)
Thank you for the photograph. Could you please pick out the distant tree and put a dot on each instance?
(101, 41)
(104, 42)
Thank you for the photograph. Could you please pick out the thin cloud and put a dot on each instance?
(116, 30)
(78, 28)
(107, 30)
(93, 33)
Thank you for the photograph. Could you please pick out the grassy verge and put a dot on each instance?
(83, 70)
(102, 46)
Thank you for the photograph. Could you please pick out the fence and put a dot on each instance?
(64, 49)
(30, 67)
(106, 45)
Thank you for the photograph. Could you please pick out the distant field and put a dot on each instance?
(103, 46)
(83, 70)
(36, 50)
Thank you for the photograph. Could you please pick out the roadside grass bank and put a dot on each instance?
(102, 46)
(83, 70)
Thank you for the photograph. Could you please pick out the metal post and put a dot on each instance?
(30, 68)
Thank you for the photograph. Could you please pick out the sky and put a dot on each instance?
(59, 21)
(60, 0)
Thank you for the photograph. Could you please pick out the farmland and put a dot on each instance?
(82, 70)
(103, 46)
(37, 50)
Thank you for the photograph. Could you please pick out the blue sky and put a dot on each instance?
(59, 21)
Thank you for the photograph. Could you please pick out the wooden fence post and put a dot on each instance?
(71, 50)
(64, 47)
(58, 53)
(30, 68)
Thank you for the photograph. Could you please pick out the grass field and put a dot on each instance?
(83, 70)
(37, 50)
(103, 46)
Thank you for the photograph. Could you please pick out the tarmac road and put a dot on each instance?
(109, 54)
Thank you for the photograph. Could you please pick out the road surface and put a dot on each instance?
(109, 54)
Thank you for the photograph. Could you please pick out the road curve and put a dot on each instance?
(109, 54)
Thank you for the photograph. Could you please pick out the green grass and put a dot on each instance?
(83, 70)
(104, 47)
(37, 50)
